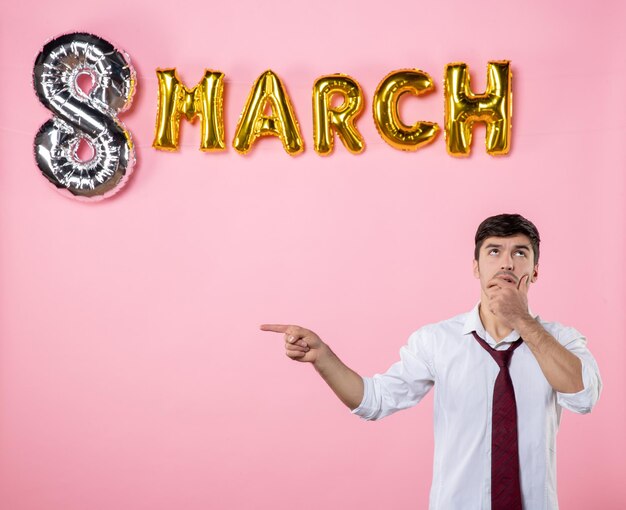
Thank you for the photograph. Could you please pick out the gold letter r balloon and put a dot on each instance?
(340, 118)
(463, 108)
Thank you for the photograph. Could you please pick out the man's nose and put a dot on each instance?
(507, 262)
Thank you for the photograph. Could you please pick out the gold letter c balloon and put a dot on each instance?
(386, 117)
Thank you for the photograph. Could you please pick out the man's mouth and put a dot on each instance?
(507, 276)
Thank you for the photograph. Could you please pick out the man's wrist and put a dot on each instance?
(531, 331)
(323, 357)
(524, 323)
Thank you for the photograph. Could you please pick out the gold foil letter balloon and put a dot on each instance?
(340, 118)
(268, 91)
(463, 108)
(385, 106)
(204, 101)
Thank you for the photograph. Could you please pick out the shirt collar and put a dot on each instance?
(473, 322)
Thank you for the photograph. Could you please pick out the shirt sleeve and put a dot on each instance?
(583, 401)
(403, 385)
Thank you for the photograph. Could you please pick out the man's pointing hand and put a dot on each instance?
(300, 344)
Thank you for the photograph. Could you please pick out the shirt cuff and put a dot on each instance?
(365, 409)
(583, 401)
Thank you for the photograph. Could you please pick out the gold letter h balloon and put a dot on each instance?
(463, 108)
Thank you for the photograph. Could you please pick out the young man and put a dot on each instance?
(501, 378)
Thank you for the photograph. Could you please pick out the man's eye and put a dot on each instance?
(493, 251)
(520, 253)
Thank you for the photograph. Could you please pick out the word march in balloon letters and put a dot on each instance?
(91, 116)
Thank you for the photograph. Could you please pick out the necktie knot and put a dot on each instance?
(503, 358)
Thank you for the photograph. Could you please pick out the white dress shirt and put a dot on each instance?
(448, 356)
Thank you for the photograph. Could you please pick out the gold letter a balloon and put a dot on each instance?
(268, 91)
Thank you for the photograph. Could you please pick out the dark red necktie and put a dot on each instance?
(505, 482)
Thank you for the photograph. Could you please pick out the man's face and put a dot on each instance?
(509, 258)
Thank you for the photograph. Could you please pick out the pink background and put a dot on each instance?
(132, 371)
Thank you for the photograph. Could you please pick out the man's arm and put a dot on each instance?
(562, 369)
(305, 346)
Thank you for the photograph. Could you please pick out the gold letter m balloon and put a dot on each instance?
(463, 108)
(205, 101)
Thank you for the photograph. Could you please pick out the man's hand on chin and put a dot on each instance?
(508, 297)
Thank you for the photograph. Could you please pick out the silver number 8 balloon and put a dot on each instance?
(84, 116)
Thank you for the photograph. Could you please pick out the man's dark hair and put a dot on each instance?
(507, 225)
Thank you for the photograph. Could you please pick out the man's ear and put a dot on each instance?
(475, 267)
(535, 273)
